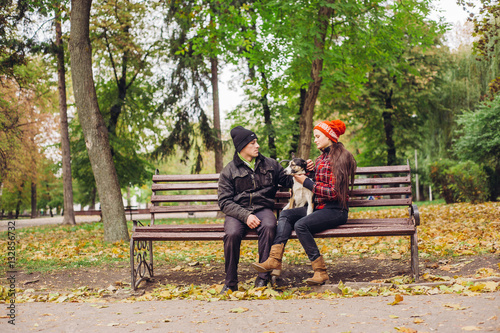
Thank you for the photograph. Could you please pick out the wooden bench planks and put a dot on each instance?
(198, 193)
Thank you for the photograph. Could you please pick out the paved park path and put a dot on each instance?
(27, 222)
(427, 313)
(431, 313)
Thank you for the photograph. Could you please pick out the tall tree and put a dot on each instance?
(326, 51)
(204, 36)
(26, 116)
(390, 109)
(322, 20)
(69, 214)
(485, 14)
(94, 129)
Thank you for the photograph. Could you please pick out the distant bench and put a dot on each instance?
(128, 210)
(391, 183)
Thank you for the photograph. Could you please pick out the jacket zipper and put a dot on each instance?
(251, 194)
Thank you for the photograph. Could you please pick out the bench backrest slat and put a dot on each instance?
(382, 181)
(186, 178)
(184, 186)
(373, 187)
(380, 202)
(381, 191)
(383, 169)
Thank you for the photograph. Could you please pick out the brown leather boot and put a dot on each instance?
(274, 260)
(320, 275)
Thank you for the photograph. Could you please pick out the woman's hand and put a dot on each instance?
(310, 165)
(300, 178)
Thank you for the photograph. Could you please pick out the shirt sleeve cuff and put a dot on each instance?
(309, 184)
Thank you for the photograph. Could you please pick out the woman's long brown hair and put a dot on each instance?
(343, 167)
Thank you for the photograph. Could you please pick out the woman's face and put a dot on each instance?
(321, 140)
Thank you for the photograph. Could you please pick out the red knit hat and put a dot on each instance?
(332, 129)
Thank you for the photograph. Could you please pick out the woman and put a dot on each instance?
(333, 168)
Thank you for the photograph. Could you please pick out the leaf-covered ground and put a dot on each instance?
(453, 239)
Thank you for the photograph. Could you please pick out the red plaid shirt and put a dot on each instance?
(324, 186)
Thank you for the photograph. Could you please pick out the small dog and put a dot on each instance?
(300, 195)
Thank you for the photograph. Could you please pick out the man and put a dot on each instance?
(247, 187)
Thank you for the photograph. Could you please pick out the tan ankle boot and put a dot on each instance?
(320, 275)
(274, 260)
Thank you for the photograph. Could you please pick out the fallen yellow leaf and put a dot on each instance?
(238, 310)
(455, 306)
(397, 298)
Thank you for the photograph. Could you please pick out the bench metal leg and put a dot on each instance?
(414, 256)
(139, 262)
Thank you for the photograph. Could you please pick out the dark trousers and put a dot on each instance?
(235, 230)
(306, 225)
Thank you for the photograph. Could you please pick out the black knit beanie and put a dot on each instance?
(241, 137)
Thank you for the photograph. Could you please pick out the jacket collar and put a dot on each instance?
(238, 162)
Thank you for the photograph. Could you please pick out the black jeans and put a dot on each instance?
(235, 230)
(305, 226)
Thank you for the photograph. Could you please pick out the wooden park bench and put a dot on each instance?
(391, 183)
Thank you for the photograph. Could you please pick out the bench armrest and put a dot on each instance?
(414, 212)
(136, 223)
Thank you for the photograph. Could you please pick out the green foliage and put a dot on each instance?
(469, 181)
(284, 124)
(479, 139)
(465, 181)
(403, 62)
(440, 181)
(479, 133)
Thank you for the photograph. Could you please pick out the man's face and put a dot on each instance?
(251, 149)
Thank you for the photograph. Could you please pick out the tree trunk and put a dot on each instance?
(306, 117)
(267, 120)
(94, 129)
(69, 216)
(34, 211)
(219, 162)
(294, 146)
(116, 109)
(389, 130)
(19, 200)
(92, 202)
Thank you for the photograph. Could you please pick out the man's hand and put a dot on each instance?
(300, 178)
(310, 165)
(253, 221)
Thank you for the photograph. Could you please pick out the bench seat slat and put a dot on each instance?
(219, 235)
(220, 227)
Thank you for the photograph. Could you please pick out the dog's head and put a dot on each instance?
(297, 166)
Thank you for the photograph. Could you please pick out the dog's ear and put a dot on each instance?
(293, 155)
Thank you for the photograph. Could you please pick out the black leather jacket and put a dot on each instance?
(243, 191)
